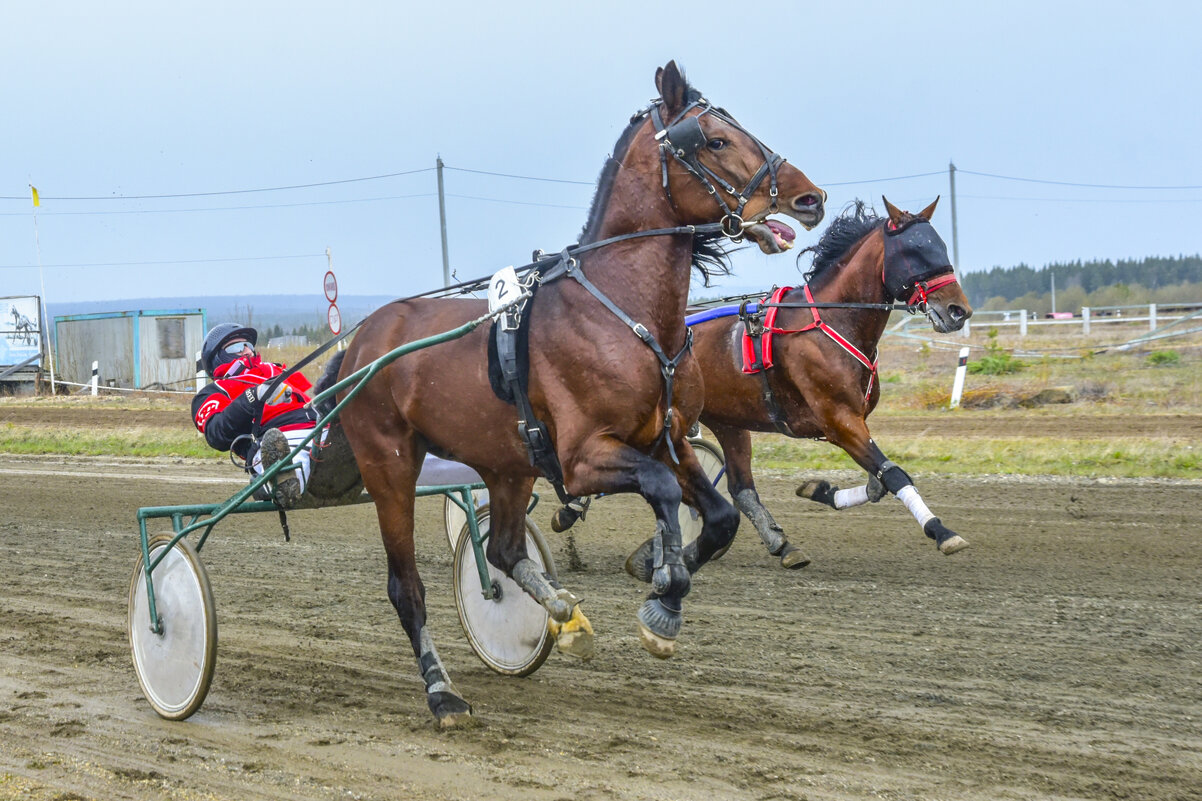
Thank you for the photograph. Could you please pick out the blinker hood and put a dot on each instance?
(686, 136)
(913, 253)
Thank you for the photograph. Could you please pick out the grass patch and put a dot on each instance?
(75, 442)
(1129, 458)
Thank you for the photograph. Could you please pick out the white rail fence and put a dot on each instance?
(1088, 321)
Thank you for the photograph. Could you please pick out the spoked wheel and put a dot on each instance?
(455, 517)
(174, 666)
(710, 457)
(508, 632)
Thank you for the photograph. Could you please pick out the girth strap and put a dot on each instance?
(753, 324)
(539, 448)
(667, 366)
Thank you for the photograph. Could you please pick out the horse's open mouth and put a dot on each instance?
(772, 236)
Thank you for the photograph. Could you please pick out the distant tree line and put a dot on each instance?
(1006, 284)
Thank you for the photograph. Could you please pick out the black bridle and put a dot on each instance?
(683, 138)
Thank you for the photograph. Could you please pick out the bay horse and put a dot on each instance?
(608, 386)
(804, 363)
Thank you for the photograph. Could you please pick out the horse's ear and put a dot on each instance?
(929, 211)
(672, 88)
(895, 214)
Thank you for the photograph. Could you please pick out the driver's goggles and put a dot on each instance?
(234, 348)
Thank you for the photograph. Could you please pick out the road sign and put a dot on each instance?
(330, 284)
(335, 319)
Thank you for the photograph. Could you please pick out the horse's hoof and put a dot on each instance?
(563, 519)
(953, 544)
(793, 558)
(659, 627)
(574, 637)
(819, 491)
(638, 564)
(449, 709)
(562, 607)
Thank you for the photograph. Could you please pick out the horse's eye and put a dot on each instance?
(716, 144)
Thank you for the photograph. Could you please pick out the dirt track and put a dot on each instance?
(1058, 658)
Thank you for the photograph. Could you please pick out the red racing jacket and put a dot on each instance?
(229, 407)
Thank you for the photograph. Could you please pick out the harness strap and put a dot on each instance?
(532, 430)
(667, 366)
(924, 288)
(841, 341)
(753, 325)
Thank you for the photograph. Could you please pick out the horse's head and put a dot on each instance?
(917, 270)
(715, 169)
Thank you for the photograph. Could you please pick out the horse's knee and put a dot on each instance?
(893, 477)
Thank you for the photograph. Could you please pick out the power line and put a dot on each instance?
(523, 177)
(219, 208)
(1070, 183)
(516, 202)
(882, 180)
(169, 261)
(231, 191)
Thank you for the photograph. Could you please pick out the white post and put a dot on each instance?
(95, 378)
(1022, 322)
(1151, 316)
(1085, 320)
(201, 378)
(958, 384)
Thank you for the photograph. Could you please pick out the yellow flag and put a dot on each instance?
(36, 201)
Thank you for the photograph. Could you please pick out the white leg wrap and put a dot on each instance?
(847, 498)
(913, 501)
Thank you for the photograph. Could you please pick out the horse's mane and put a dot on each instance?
(710, 256)
(853, 224)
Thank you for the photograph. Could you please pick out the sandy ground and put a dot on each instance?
(1060, 657)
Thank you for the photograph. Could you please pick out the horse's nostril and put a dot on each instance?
(809, 200)
(957, 312)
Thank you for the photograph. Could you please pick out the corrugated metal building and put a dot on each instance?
(136, 349)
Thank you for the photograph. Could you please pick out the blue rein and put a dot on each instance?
(716, 312)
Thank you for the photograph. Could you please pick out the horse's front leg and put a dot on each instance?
(602, 464)
(508, 498)
(736, 450)
(851, 434)
(719, 519)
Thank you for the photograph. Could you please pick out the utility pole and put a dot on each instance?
(442, 219)
(957, 270)
(951, 177)
(1053, 293)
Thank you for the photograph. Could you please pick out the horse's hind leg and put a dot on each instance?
(736, 449)
(391, 477)
(508, 497)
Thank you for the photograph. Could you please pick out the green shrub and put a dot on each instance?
(996, 360)
(1164, 358)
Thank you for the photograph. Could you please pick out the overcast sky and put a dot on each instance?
(1088, 112)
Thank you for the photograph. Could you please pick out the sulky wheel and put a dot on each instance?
(508, 632)
(174, 665)
(455, 517)
(710, 457)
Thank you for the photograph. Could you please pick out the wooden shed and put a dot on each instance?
(135, 349)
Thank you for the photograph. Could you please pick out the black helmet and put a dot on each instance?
(211, 356)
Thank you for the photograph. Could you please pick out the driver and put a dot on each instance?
(233, 417)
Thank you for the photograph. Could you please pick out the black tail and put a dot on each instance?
(329, 378)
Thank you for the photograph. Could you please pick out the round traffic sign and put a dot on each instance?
(330, 284)
(335, 319)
